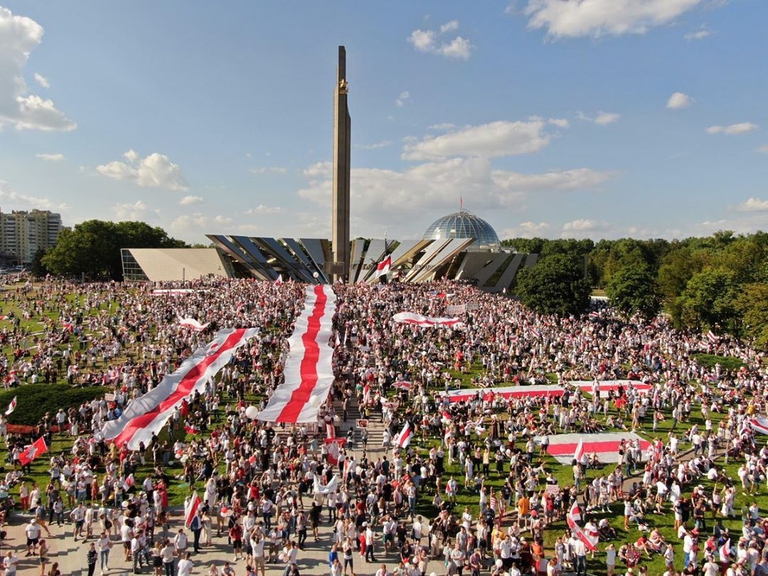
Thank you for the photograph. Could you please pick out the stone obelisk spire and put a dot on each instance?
(342, 144)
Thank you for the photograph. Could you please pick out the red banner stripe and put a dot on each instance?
(589, 447)
(308, 368)
(184, 389)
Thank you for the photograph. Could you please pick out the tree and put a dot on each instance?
(709, 302)
(556, 285)
(752, 304)
(633, 290)
(37, 268)
(92, 248)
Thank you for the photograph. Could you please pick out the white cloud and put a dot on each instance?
(501, 138)
(457, 48)
(11, 200)
(194, 224)
(526, 230)
(559, 122)
(444, 127)
(732, 129)
(382, 198)
(602, 118)
(19, 36)
(50, 157)
(753, 205)
(153, 171)
(268, 170)
(584, 227)
(678, 101)
(428, 41)
(596, 18)
(262, 209)
(700, 34)
(762, 149)
(563, 180)
(375, 145)
(42, 80)
(402, 98)
(137, 211)
(190, 200)
(451, 26)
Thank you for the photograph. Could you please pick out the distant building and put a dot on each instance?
(23, 233)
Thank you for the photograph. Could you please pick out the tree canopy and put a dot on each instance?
(92, 248)
(556, 285)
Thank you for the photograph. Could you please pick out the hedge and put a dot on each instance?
(726, 362)
(34, 400)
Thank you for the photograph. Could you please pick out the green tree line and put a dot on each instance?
(717, 283)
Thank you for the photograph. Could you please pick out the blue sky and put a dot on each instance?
(600, 119)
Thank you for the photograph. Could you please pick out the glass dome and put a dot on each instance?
(464, 224)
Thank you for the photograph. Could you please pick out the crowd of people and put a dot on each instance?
(473, 493)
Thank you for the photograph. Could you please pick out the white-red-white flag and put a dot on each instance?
(383, 267)
(32, 451)
(590, 541)
(403, 385)
(579, 452)
(11, 407)
(190, 508)
(712, 337)
(575, 511)
(334, 449)
(194, 324)
(404, 438)
(129, 482)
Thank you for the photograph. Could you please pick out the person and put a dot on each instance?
(336, 569)
(103, 545)
(292, 570)
(580, 552)
(257, 553)
(180, 542)
(32, 530)
(610, 559)
(236, 536)
(369, 538)
(54, 571)
(90, 558)
(382, 571)
(42, 555)
(185, 565)
(9, 563)
(157, 559)
(168, 555)
(197, 527)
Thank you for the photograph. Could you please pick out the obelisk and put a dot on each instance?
(342, 125)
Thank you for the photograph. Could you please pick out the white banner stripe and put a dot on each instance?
(305, 381)
(149, 402)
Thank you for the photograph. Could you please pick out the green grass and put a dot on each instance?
(726, 362)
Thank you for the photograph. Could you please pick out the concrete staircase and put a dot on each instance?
(375, 429)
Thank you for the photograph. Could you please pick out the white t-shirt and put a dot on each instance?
(33, 531)
(184, 568)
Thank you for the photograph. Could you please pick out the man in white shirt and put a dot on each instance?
(185, 566)
(580, 552)
(32, 531)
(180, 542)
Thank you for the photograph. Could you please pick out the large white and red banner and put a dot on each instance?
(309, 368)
(464, 394)
(150, 412)
(563, 447)
(605, 386)
(759, 424)
(426, 321)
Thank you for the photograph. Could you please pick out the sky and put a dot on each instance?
(552, 118)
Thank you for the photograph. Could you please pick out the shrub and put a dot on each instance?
(34, 400)
(726, 362)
